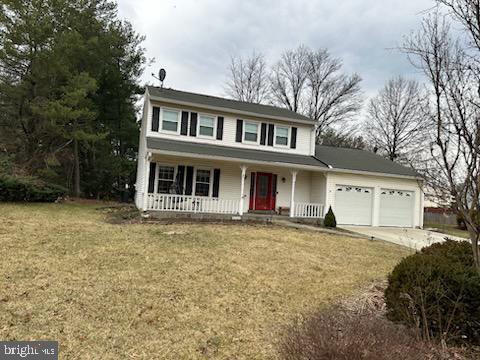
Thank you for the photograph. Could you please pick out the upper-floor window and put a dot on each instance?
(166, 176)
(250, 132)
(206, 126)
(281, 136)
(202, 182)
(170, 120)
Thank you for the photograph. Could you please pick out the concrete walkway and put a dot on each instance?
(340, 232)
(412, 238)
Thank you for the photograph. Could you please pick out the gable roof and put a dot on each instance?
(219, 151)
(360, 160)
(218, 103)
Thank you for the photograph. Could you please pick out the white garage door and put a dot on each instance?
(396, 208)
(353, 205)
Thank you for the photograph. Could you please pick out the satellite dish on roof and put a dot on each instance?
(161, 76)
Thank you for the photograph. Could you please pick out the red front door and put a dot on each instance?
(265, 191)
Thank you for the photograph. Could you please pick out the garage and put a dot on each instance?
(353, 205)
(396, 208)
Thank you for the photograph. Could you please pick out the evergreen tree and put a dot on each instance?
(69, 75)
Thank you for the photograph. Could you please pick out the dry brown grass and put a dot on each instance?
(142, 291)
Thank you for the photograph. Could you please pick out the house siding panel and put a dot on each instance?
(303, 141)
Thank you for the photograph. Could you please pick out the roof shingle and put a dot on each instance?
(360, 160)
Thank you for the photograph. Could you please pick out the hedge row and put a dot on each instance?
(28, 189)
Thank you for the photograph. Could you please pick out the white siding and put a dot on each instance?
(304, 144)
(376, 182)
(318, 188)
(230, 177)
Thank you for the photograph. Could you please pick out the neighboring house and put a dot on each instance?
(205, 154)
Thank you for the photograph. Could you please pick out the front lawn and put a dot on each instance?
(145, 291)
(449, 230)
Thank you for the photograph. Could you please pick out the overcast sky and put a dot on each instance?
(194, 39)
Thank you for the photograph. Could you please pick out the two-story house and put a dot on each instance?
(205, 154)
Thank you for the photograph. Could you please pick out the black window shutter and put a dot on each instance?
(220, 128)
(189, 181)
(151, 179)
(238, 137)
(263, 134)
(271, 130)
(293, 141)
(179, 179)
(184, 125)
(216, 182)
(155, 118)
(193, 124)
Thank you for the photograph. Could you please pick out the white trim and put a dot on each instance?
(232, 111)
(215, 124)
(210, 184)
(179, 116)
(289, 136)
(242, 188)
(282, 164)
(252, 122)
(292, 193)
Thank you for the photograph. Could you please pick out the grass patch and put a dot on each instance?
(448, 230)
(178, 291)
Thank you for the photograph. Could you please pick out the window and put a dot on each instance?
(251, 132)
(202, 183)
(206, 125)
(281, 136)
(170, 120)
(166, 176)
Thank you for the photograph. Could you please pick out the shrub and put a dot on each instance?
(339, 335)
(437, 292)
(330, 220)
(15, 188)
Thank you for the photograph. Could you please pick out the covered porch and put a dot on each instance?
(187, 184)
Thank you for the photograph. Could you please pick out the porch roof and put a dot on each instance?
(229, 152)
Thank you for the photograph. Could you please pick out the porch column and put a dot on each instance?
(242, 188)
(145, 182)
(292, 193)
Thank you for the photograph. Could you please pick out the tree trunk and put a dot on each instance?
(77, 168)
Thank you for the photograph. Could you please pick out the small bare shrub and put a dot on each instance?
(341, 335)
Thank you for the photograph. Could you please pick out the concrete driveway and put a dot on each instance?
(412, 238)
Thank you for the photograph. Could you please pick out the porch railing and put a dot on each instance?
(308, 210)
(195, 204)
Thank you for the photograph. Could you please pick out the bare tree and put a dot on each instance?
(248, 79)
(455, 116)
(288, 79)
(331, 96)
(397, 120)
(311, 83)
(344, 139)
